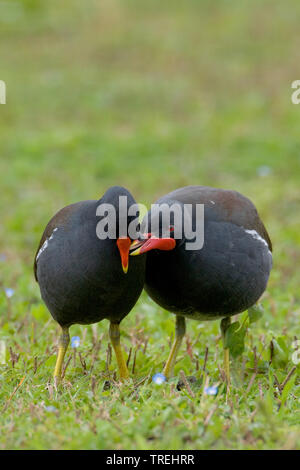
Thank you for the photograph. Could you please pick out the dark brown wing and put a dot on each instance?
(58, 220)
(225, 205)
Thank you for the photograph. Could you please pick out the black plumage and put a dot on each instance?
(227, 275)
(80, 276)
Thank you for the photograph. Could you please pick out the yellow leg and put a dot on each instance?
(224, 325)
(226, 365)
(62, 348)
(114, 334)
(179, 334)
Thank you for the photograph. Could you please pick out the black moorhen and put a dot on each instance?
(225, 277)
(84, 279)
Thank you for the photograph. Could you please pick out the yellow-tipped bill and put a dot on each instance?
(138, 247)
(124, 246)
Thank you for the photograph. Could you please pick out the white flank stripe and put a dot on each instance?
(45, 244)
(255, 235)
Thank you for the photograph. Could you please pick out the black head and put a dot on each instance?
(161, 229)
(118, 212)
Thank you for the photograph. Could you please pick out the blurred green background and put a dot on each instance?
(152, 95)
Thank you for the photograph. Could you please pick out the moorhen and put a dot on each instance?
(84, 279)
(223, 278)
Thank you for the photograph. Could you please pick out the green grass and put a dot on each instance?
(152, 96)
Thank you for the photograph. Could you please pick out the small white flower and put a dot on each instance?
(51, 408)
(264, 171)
(211, 390)
(158, 378)
(9, 292)
(75, 341)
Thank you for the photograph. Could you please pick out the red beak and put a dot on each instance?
(123, 244)
(139, 247)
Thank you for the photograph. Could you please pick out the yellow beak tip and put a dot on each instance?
(136, 252)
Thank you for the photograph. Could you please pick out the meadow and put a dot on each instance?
(152, 96)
